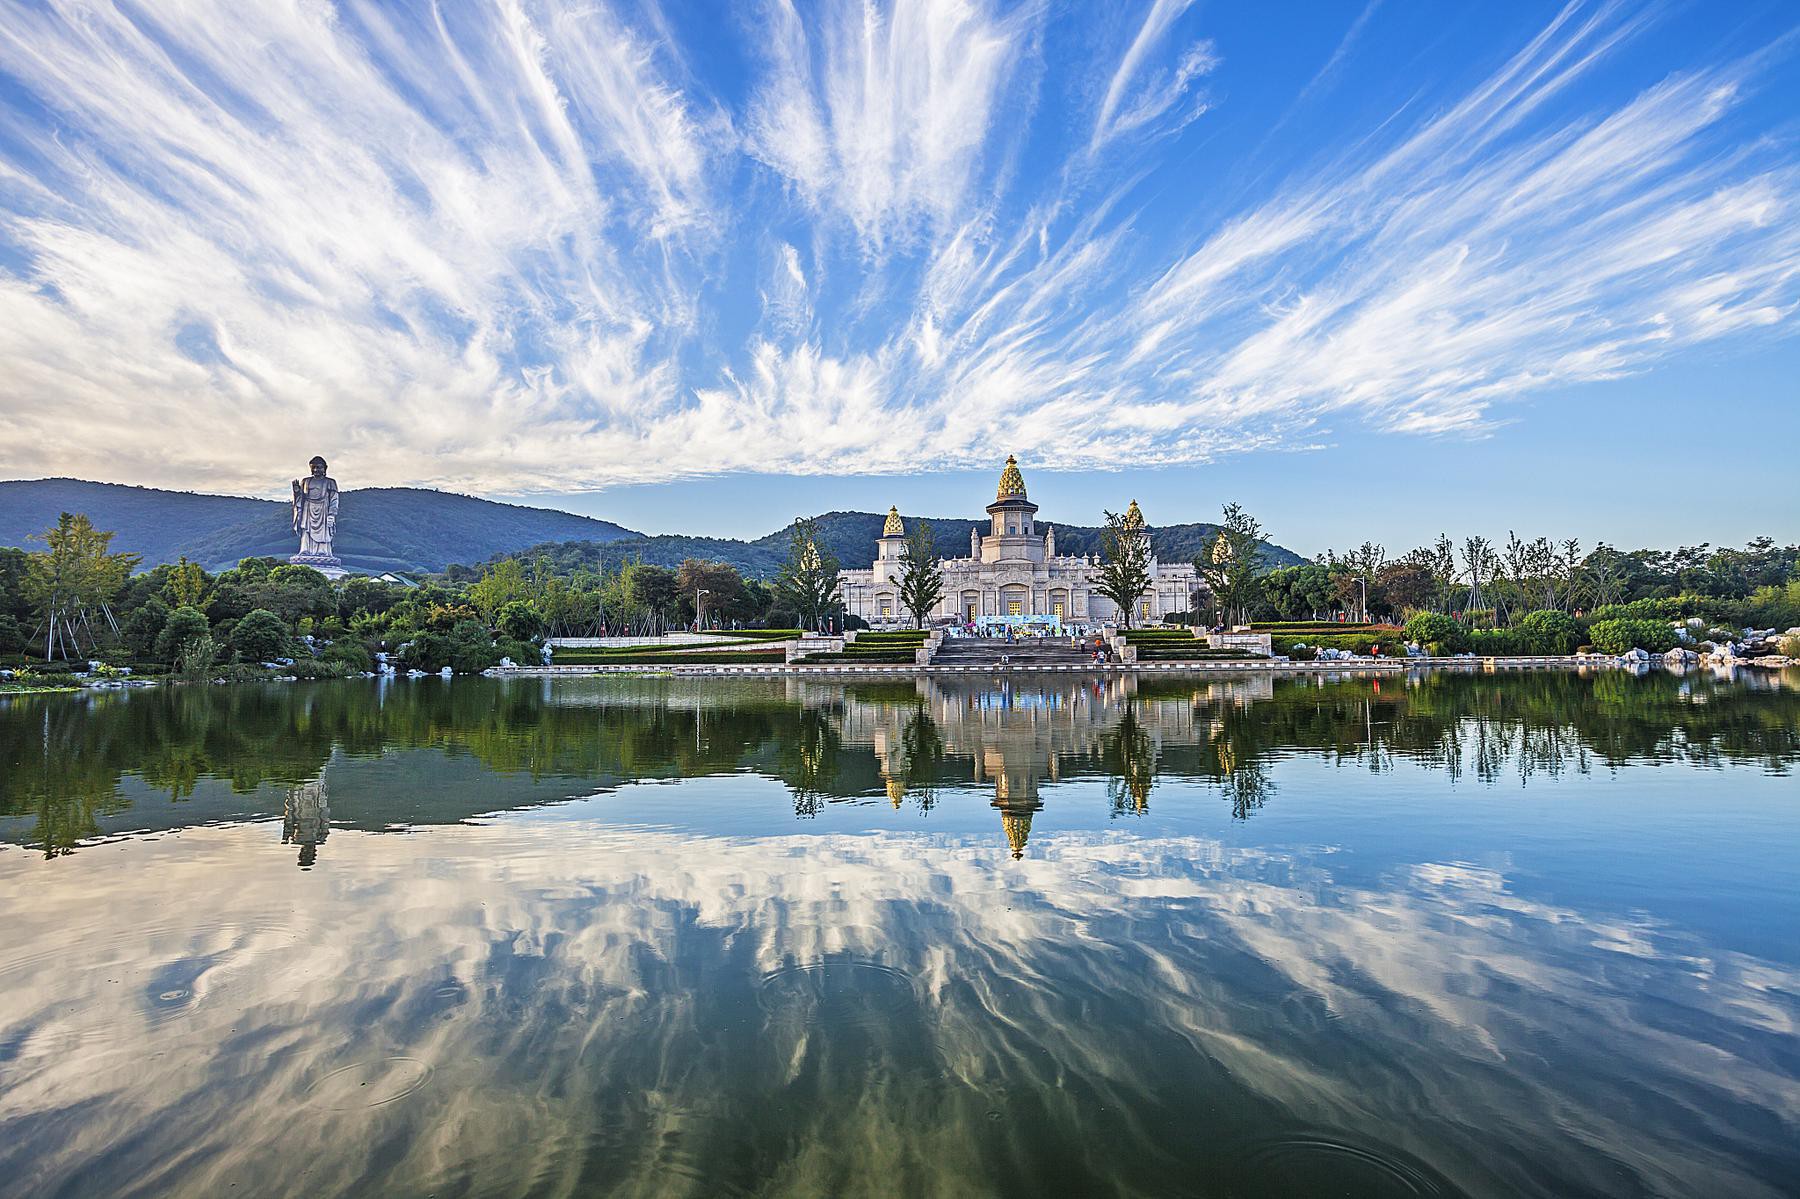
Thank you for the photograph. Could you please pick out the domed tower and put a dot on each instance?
(890, 548)
(1012, 534)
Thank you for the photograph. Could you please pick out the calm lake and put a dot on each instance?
(1511, 934)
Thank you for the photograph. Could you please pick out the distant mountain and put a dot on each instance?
(852, 537)
(379, 528)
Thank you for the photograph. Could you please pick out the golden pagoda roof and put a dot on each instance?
(893, 527)
(1134, 516)
(896, 791)
(1012, 483)
(1018, 829)
(1221, 550)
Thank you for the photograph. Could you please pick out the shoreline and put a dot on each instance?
(1386, 665)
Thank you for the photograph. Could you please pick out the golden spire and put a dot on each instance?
(893, 527)
(1134, 517)
(1012, 483)
(1018, 828)
(896, 791)
(1221, 551)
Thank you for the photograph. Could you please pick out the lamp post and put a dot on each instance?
(699, 613)
(1363, 584)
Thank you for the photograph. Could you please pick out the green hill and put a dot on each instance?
(852, 537)
(380, 528)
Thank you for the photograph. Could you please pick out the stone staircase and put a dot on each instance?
(988, 651)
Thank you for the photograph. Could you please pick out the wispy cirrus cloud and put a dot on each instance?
(532, 245)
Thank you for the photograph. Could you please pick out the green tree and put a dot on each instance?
(1551, 631)
(519, 621)
(145, 625)
(261, 636)
(293, 592)
(809, 578)
(471, 649)
(1300, 592)
(1124, 570)
(1617, 636)
(501, 583)
(1232, 565)
(710, 590)
(921, 573)
(183, 626)
(1437, 633)
(187, 585)
(72, 583)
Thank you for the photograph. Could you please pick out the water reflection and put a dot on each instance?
(79, 768)
(764, 937)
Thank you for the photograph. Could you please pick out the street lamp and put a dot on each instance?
(699, 613)
(1363, 584)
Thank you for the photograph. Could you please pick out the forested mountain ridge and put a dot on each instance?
(412, 530)
(852, 536)
(404, 529)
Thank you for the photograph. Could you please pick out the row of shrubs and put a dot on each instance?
(757, 634)
(612, 655)
(1152, 636)
(1355, 643)
(891, 657)
(1550, 632)
(708, 657)
(897, 637)
(1159, 653)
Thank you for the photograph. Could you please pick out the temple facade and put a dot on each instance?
(1013, 574)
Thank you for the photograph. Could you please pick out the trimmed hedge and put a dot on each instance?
(662, 654)
(703, 658)
(1392, 643)
(755, 634)
(872, 658)
(1199, 654)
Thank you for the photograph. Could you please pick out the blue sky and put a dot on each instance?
(1374, 270)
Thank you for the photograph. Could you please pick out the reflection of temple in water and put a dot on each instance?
(306, 819)
(1020, 733)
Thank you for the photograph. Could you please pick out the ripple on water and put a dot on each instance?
(1321, 1164)
(837, 992)
(368, 1083)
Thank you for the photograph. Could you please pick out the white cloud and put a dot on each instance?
(887, 114)
(520, 246)
(1137, 98)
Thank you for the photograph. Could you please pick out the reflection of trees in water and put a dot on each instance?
(1130, 758)
(922, 750)
(63, 758)
(809, 759)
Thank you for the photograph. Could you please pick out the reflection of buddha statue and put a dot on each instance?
(306, 820)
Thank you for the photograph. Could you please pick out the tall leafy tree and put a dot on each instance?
(501, 583)
(187, 585)
(715, 589)
(1123, 573)
(809, 578)
(921, 573)
(1232, 565)
(72, 583)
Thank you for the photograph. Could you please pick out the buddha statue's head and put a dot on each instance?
(318, 467)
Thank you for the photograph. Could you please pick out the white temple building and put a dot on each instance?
(1012, 576)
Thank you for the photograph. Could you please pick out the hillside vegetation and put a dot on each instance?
(402, 529)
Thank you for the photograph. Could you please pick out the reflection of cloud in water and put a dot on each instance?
(660, 1013)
